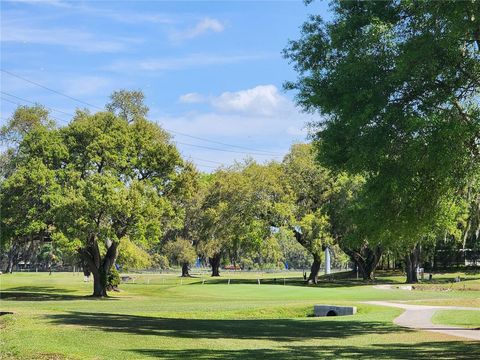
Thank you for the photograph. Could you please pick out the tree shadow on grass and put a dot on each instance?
(424, 350)
(289, 281)
(37, 296)
(283, 330)
(46, 289)
(334, 280)
(42, 293)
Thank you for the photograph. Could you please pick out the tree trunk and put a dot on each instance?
(411, 264)
(98, 267)
(99, 283)
(366, 260)
(12, 257)
(314, 269)
(371, 261)
(215, 264)
(185, 272)
(9, 268)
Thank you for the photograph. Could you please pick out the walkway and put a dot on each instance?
(419, 317)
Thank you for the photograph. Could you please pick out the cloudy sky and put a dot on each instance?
(212, 71)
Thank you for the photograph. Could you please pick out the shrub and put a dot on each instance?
(113, 279)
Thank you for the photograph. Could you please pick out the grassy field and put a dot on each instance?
(165, 317)
(463, 318)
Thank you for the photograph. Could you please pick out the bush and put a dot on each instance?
(113, 279)
(160, 261)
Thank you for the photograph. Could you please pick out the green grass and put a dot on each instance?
(467, 302)
(163, 316)
(463, 318)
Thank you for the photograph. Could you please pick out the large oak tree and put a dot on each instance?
(397, 84)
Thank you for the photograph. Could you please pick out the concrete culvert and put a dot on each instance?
(333, 310)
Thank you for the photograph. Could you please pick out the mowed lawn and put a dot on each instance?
(165, 317)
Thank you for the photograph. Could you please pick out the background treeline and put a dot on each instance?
(111, 188)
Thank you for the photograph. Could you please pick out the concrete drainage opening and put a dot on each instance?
(332, 310)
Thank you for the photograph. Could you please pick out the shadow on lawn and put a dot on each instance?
(324, 282)
(283, 330)
(45, 289)
(425, 350)
(41, 293)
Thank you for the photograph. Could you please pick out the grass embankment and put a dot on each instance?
(463, 318)
(163, 316)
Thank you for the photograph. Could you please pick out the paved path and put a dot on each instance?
(419, 317)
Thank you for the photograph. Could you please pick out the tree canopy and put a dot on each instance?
(396, 84)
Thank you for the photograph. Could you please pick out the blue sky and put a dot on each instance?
(209, 69)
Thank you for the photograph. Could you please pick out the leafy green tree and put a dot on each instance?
(120, 180)
(294, 255)
(397, 84)
(50, 254)
(347, 219)
(221, 222)
(312, 187)
(24, 120)
(174, 241)
(241, 205)
(313, 232)
(128, 105)
(182, 252)
(28, 182)
(160, 261)
(132, 256)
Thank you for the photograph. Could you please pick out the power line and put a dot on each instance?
(49, 89)
(208, 166)
(34, 102)
(255, 151)
(221, 143)
(224, 150)
(209, 161)
(18, 104)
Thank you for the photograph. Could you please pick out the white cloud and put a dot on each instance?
(272, 134)
(192, 98)
(262, 100)
(257, 118)
(180, 63)
(69, 38)
(204, 26)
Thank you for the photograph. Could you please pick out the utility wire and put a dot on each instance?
(209, 161)
(18, 104)
(49, 89)
(207, 166)
(224, 150)
(256, 151)
(34, 102)
(221, 143)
